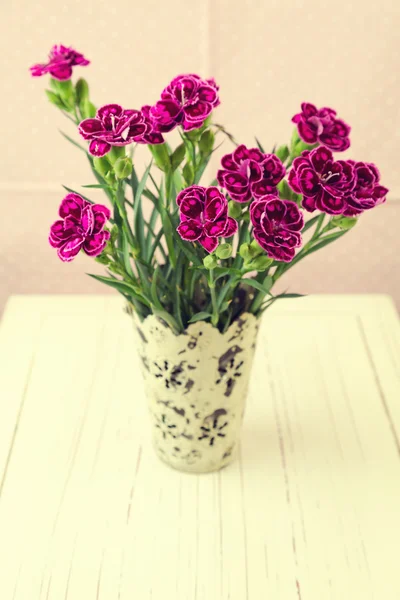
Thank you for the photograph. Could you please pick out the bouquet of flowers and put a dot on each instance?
(185, 251)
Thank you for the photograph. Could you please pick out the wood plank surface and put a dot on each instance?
(309, 511)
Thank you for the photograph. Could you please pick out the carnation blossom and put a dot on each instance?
(367, 192)
(324, 183)
(188, 100)
(249, 173)
(60, 63)
(277, 224)
(204, 216)
(115, 126)
(81, 227)
(321, 126)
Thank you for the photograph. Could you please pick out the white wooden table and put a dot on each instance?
(311, 511)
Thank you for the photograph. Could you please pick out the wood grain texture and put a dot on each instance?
(309, 511)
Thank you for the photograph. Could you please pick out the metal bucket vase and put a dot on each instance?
(196, 385)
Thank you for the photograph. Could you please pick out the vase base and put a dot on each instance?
(196, 468)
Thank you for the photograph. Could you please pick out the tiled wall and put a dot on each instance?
(267, 56)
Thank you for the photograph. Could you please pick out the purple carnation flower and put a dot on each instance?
(321, 126)
(81, 227)
(152, 136)
(61, 61)
(204, 216)
(367, 192)
(188, 100)
(115, 126)
(248, 172)
(277, 224)
(324, 183)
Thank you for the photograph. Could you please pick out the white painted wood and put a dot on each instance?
(308, 512)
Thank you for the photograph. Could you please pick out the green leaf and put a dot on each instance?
(201, 316)
(55, 99)
(285, 191)
(121, 286)
(138, 219)
(73, 142)
(79, 194)
(282, 152)
(161, 156)
(289, 296)
(325, 241)
(169, 232)
(102, 165)
(102, 186)
(261, 287)
(206, 142)
(88, 109)
(188, 173)
(177, 156)
(82, 91)
(310, 223)
(259, 145)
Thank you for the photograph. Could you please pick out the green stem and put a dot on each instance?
(215, 316)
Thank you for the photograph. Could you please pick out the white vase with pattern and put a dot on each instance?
(196, 385)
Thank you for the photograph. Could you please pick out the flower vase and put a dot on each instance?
(196, 386)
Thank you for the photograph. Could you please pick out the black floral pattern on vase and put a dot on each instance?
(174, 376)
(166, 426)
(214, 427)
(183, 423)
(190, 457)
(230, 368)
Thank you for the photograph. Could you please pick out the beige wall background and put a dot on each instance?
(267, 57)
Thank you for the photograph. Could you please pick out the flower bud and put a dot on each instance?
(261, 263)
(82, 91)
(206, 142)
(160, 155)
(114, 234)
(101, 165)
(234, 209)
(115, 153)
(255, 248)
(224, 251)
(282, 153)
(103, 259)
(123, 167)
(344, 222)
(245, 252)
(188, 173)
(177, 156)
(116, 268)
(88, 109)
(210, 262)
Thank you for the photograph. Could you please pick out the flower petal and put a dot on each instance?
(208, 243)
(230, 228)
(87, 220)
(68, 251)
(109, 109)
(319, 157)
(215, 228)
(190, 230)
(191, 207)
(95, 244)
(99, 148)
(89, 127)
(71, 206)
(216, 204)
(61, 72)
